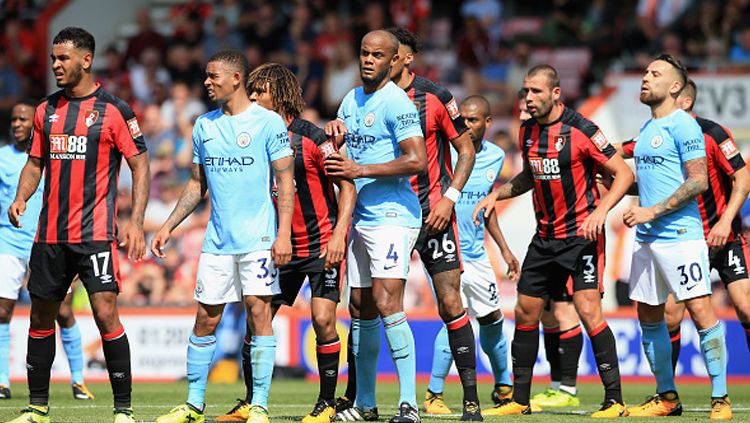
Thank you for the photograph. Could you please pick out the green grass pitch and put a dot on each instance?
(291, 400)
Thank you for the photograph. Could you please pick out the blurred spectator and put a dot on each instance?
(487, 12)
(653, 16)
(342, 74)
(146, 38)
(10, 87)
(309, 72)
(113, 75)
(147, 74)
(181, 108)
(222, 37)
(373, 17)
(265, 31)
(740, 51)
(19, 43)
(183, 68)
(408, 13)
(156, 135)
(333, 32)
(300, 28)
(189, 32)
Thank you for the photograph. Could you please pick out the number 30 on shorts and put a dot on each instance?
(693, 270)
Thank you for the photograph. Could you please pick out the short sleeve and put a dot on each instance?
(628, 147)
(595, 143)
(447, 115)
(126, 132)
(37, 146)
(277, 138)
(688, 138)
(403, 119)
(727, 155)
(198, 142)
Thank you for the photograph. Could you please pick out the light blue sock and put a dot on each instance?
(200, 352)
(714, 352)
(262, 357)
(71, 340)
(442, 359)
(658, 349)
(493, 343)
(4, 354)
(366, 340)
(401, 342)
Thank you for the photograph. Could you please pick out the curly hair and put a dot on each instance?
(281, 84)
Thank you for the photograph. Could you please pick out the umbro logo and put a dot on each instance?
(54, 118)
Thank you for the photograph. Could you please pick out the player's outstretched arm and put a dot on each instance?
(695, 183)
(413, 160)
(520, 184)
(133, 238)
(719, 233)
(493, 227)
(28, 182)
(283, 169)
(622, 181)
(191, 196)
(335, 251)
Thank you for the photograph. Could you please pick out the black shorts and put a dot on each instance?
(439, 252)
(731, 261)
(323, 283)
(556, 268)
(53, 266)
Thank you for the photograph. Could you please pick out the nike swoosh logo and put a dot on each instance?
(207, 140)
(344, 117)
(270, 283)
(691, 287)
(389, 267)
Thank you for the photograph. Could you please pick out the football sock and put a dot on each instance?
(674, 338)
(463, 347)
(328, 353)
(263, 355)
(571, 344)
(351, 369)
(714, 352)
(655, 340)
(117, 355)
(401, 343)
(247, 369)
(366, 340)
(40, 353)
(494, 344)
(199, 355)
(552, 351)
(4, 354)
(524, 349)
(605, 352)
(71, 341)
(441, 361)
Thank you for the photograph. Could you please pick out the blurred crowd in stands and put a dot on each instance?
(471, 46)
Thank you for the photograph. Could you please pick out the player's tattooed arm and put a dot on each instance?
(465, 160)
(191, 196)
(520, 184)
(281, 251)
(27, 185)
(695, 183)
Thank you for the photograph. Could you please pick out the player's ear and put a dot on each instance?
(408, 59)
(675, 88)
(395, 58)
(556, 93)
(86, 60)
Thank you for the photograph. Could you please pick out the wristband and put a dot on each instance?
(452, 194)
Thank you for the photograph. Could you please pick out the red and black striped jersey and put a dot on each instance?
(441, 123)
(723, 158)
(81, 142)
(564, 157)
(315, 208)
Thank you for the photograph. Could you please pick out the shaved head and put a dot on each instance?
(481, 104)
(382, 36)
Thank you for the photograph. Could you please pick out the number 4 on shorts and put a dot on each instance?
(392, 254)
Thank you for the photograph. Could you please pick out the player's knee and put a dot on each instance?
(590, 314)
(673, 318)
(490, 318)
(523, 315)
(701, 312)
(324, 324)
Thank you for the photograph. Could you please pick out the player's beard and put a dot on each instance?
(76, 74)
(377, 79)
(649, 99)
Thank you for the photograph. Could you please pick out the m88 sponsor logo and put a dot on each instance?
(63, 146)
(545, 168)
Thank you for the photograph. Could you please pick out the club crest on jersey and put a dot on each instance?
(656, 141)
(135, 130)
(91, 117)
(243, 139)
(452, 109)
(490, 175)
(369, 119)
(559, 142)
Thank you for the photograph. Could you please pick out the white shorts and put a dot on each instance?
(382, 252)
(659, 268)
(228, 278)
(478, 288)
(12, 272)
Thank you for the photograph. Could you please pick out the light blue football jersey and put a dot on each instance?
(376, 123)
(489, 162)
(14, 241)
(663, 147)
(236, 153)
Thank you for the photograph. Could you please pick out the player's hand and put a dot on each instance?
(335, 128)
(440, 216)
(717, 236)
(638, 215)
(134, 241)
(159, 242)
(338, 166)
(15, 211)
(514, 267)
(335, 251)
(487, 204)
(281, 251)
(594, 224)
